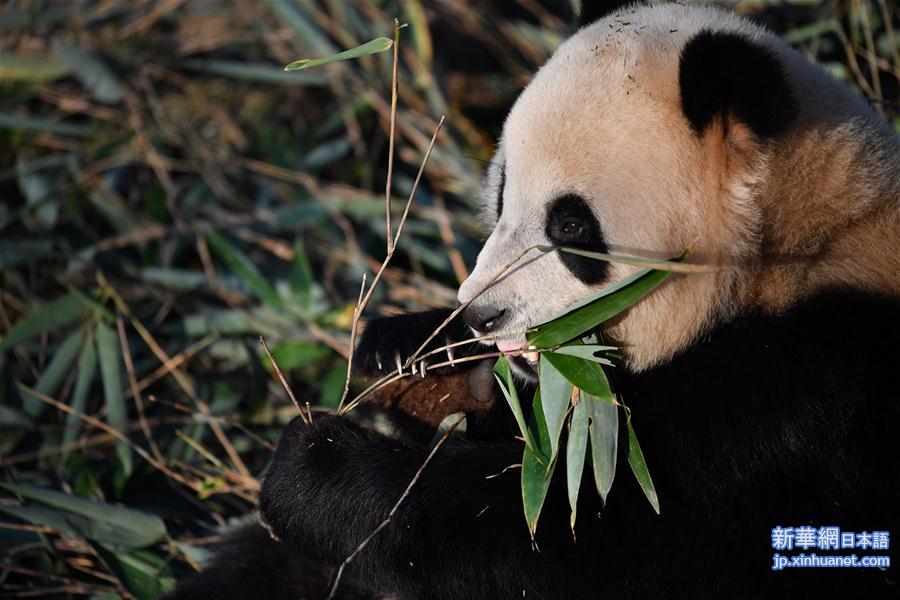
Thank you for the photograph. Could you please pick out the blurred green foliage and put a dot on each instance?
(169, 194)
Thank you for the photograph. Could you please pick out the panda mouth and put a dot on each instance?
(518, 349)
(511, 346)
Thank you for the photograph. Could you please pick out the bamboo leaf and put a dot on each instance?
(31, 68)
(46, 317)
(87, 368)
(111, 374)
(56, 372)
(576, 449)
(444, 426)
(604, 432)
(93, 73)
(537, 467)
(583, 374)
(556, 393)
(139, 577)
(588, 352)
(17, 122)
(375, 46)
(639, 468)
(260, 73)
(291, 355)
(595, 309)
(508, 387)
(101, 521)
(243, 267)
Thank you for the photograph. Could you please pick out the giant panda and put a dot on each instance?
(764, 393)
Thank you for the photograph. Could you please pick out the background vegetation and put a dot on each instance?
(169, 194)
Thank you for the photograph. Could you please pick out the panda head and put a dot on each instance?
(650, 131)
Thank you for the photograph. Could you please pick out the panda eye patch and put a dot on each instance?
(571, 222)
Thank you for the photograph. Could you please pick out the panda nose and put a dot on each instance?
(483, 319)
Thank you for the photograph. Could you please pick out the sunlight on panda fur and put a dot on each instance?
(603, 119)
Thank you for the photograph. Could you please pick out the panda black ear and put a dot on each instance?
(727, 75)
(591, 10)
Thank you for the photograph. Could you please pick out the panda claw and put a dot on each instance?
(378, 362)
(399, 363)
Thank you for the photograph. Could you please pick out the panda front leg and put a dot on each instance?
(457, 535)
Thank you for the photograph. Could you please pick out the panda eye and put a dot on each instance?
(573, 228)
(570, 222)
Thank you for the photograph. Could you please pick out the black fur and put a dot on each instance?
(591, 10)
(771, 420)
(386, 337)
(249, 564)
(726, 75)
(570, 210)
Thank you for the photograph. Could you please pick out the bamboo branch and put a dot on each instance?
(387, 520)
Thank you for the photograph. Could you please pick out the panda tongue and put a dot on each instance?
(506, 346)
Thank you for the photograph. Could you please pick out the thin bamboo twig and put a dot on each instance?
(306, 417)
(390, 169)
(176, 373)
(357, 314)
(135, 392)
(544, 249)
(396, 507)
(114, 432)
(176, 361)
(389, 379)
(354, 327)
(416, 355)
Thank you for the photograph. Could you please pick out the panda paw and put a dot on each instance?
(388, 342)
(309, 457)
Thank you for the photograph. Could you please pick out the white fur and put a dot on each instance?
(603, 119)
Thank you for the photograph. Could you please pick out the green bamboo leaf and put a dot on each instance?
(138, 576)
(87, 368)
(508, 387)
(583, 374)
(291, 355)
(537, 467)
(56, 372)
(375, 46)
(595, 309)
(588, 352)
(639, 468)
(301, 279)
(31, 68)
(604, 431)
(94, 74)
(332, 387)
(46, 317)
(537, 472)
(260, 73)
(556, 394)
(83, 517)
(304, 26)
(111, 374)
(17, 122)
(455, 420)
(576, 449)
(243, 267)
(596, 393)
